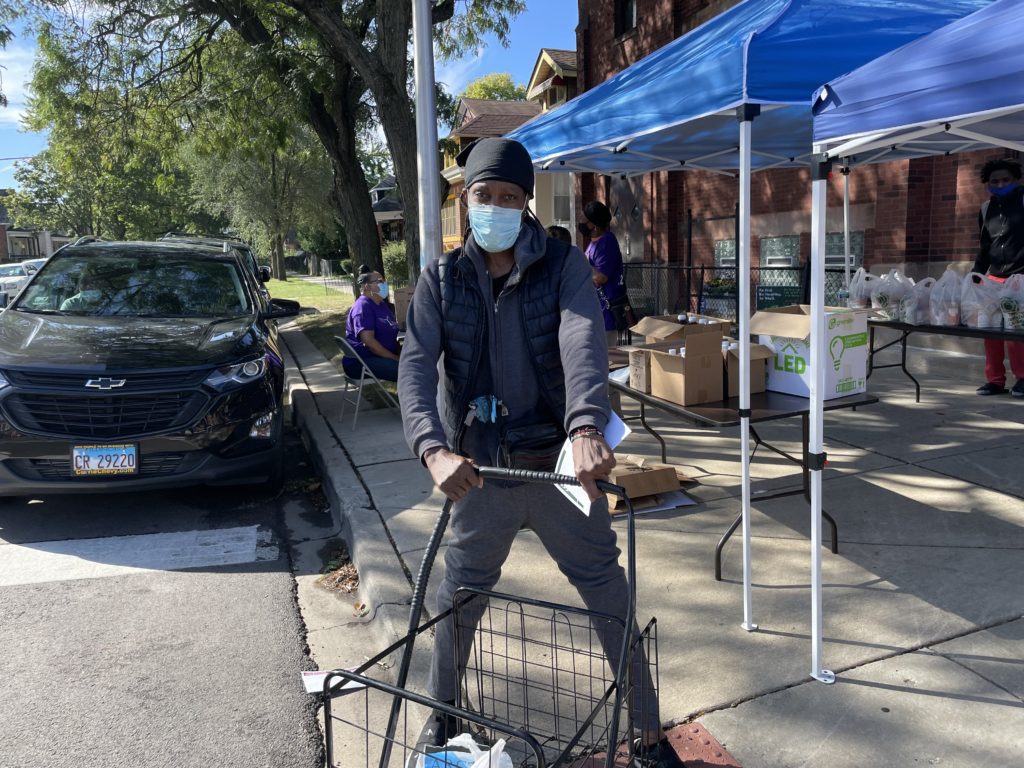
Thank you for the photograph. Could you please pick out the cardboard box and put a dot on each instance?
(657, 328)
(643, 461)
(690, 379)
(641, 481)
(402, 298)
(640, 370)
(759, 356)
(786, 330)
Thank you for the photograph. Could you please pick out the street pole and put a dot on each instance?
(426, 133)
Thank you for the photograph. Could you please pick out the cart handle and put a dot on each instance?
(531, 476)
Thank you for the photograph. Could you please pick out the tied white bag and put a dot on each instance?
(463, 752)
(1011, 302)
(979, 302)
(887, 293)
(915, 306)
(861, 285)
(945, 299)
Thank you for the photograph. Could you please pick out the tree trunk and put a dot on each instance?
(314, 264)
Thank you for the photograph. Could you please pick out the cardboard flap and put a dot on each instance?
(653, 328)
(757, 352)
(708, 343)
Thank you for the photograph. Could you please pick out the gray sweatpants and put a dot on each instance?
(483, 526)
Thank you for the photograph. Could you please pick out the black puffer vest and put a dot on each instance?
(466, 313)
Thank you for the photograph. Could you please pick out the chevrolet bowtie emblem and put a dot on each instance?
(105, 383)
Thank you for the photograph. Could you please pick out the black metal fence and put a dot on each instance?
(669, 289)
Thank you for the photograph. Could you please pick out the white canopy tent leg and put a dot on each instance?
(426, 133)
(815, 455)
(746, 115)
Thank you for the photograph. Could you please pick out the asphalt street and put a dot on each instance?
(156, 629)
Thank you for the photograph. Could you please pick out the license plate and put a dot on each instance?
(104, 460)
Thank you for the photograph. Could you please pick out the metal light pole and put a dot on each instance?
(426, 133)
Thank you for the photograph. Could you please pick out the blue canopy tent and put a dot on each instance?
(678, 109)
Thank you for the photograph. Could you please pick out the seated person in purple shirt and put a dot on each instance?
(606, 266)
(372, 330)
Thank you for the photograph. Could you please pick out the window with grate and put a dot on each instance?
(780, 251)
(625, 16)
(449, 219)
(835, 250)
(725, 253)
(561, 192)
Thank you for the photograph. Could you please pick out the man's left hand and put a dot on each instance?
(593, 460)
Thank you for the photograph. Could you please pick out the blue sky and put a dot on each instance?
(544, 24)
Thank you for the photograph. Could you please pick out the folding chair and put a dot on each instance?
(366, 378)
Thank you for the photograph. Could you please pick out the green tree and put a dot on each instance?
(497, 86)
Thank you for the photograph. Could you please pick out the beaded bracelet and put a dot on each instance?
(585, 432)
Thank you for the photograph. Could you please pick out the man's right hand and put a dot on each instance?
(455, 475)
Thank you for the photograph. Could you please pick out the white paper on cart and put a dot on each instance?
(614, 433)
(313, 681)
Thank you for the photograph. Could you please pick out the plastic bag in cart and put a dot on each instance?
(979, 302)
(915, 306)
(1011, 302)
(861, 285)
(462, 751)
(945, 299)
(887, 293)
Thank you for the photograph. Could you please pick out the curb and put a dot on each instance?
(352, 508)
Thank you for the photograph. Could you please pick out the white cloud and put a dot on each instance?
(457, 75)
(16, 72)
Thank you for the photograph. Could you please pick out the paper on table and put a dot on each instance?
(621, 376)
(614, 433)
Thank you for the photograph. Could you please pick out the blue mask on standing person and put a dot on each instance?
(382, 287)
(1004, 190)
(495, 229)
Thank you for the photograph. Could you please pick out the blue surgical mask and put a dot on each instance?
(1005, 190)
(495, 229)
(383, 288)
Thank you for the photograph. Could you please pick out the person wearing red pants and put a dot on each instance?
(1000, 255)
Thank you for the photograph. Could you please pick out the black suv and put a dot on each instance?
(136, 365)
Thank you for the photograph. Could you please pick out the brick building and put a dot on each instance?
(919, 215)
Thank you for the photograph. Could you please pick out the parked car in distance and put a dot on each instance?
(12, 278)
(140, 365)
(33, 265)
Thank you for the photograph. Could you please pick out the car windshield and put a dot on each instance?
(12, 270)
(138, 285)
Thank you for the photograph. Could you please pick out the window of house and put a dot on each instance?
(561, 193)
(625, 16)
(449, 219)
(780, 251)
(835, 250)
(725, 253)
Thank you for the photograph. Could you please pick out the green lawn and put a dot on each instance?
(311, 294)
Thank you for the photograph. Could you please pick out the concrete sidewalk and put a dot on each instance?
(923, 604)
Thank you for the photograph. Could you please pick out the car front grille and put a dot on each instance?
(156, 465)
(104, 417)
(133, 382)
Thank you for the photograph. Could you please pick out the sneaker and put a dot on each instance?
(660, 755)
(1018, 389)
(996, 389)
(435, 734)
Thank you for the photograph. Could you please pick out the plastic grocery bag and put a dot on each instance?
(944, 304)
(861, 285)
(463, 752)
(915, 306)
(979, 302)
(887, 293)
(1011, 302)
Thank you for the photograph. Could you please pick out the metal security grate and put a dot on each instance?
(110, 417)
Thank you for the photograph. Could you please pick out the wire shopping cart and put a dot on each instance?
(538, 678)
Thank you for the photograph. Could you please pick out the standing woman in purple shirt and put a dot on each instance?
(606, 266)
(372, 330)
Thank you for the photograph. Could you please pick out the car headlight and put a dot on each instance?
(239, 373)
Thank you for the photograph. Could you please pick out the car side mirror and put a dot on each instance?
(264, 274)
(281, 308)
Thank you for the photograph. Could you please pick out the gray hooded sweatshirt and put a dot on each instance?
(506, 371)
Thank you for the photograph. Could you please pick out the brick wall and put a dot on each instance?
(918, 215)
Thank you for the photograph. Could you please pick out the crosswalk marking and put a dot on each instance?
(70, 560)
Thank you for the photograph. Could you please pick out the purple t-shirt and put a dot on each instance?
(604, 256)
(367, 315)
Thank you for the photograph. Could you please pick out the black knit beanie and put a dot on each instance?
(497, 159)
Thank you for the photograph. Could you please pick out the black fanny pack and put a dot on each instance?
(534, 446)
(622, 312)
